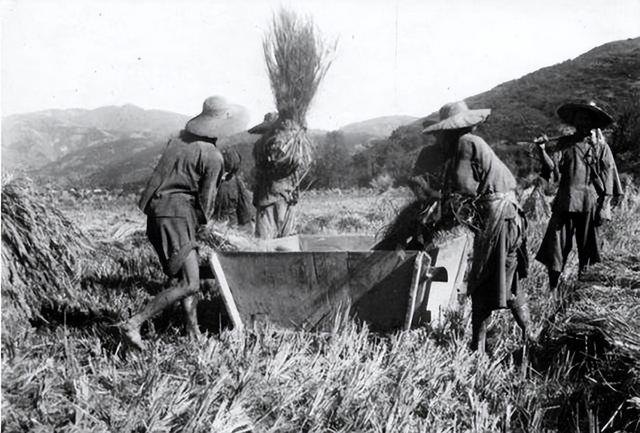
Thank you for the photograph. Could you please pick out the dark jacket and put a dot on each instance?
(576, 165)
(186, 178)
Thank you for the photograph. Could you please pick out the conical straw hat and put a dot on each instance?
(456, 115)
(218, 119)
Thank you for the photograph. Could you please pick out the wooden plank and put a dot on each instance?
(227, 296)
(442, 296)
(422, 259)
(336, 242)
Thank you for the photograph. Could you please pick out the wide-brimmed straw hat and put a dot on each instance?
(456, 115)
(269, 122)
(599, 117)
(218, 119)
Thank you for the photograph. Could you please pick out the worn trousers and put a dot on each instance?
(275, 220)
(558, 240)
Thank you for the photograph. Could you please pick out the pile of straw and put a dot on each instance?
(598, 327)
(297, 60)
(41, 252)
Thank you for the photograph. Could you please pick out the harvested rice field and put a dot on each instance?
(64, 367)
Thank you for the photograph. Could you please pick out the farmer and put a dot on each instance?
(474, 174)
(233, 202)
(588, 179)
(276, 182)
(179, 197)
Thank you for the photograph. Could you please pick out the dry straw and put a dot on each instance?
(41, 251)
(297, 59)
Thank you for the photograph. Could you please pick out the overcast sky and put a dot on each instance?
(394, 57)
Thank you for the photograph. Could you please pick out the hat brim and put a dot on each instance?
(263, 127)
(228, 122)
(465, 119)
(600, 118)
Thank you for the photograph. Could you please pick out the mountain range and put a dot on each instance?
(118, 147)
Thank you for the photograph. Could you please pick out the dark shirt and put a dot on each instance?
(575, 164)
(475, 169)
(186, 178)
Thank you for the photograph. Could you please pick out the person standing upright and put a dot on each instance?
(275, 190)
(587, 180)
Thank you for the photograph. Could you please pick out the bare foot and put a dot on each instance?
(132, 336)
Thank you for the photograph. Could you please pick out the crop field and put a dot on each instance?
(65, 369)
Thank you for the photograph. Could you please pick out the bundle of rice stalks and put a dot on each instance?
(223, 237)
(41, 252)
(297, 60)
(598, 329)
(418, 226)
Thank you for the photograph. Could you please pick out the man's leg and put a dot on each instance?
(284, 216)
(265, 222)
(520, 310)
(587, 240)
(190, 305)
(556, 246)
(188, 286)
(479, 321)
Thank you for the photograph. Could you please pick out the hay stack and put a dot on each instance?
(41, 252)
(297, 60)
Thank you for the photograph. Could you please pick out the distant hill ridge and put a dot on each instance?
(119, 145)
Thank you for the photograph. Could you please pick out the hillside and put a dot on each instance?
(118, 146)
(525, 108)
(379, 127)
(33, 140)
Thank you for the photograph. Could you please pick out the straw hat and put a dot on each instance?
(270, 120)
(599, 117)
(456, 115)
(218, 119)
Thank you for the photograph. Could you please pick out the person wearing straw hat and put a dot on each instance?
(587, 179)
(179, 197)
(476, 177)
(275, 190)
(233, 201)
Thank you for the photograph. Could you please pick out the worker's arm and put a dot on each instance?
(210, 167)
(549, 166)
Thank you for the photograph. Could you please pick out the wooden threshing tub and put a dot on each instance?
(303, 282)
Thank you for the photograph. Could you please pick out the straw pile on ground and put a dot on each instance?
(598, 330)
(297, 60)
(41, 253)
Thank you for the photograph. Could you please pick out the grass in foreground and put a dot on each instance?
(69, 373)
